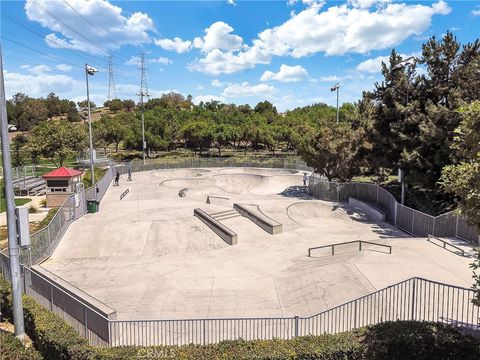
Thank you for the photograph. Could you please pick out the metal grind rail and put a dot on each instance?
(360, 242)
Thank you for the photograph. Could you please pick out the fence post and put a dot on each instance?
(433, 230)
(456, 227)
(413, 299)
(395, 214)
(85, 323)
(360, 246)
(296, 326)
(51, 297)
(204, 332)
(355, 315)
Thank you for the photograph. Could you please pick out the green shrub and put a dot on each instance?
(423, 340)
(12, 348)
(51, 335)
(46, 220)
(398, 340)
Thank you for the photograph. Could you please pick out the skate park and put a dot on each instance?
(148, 256)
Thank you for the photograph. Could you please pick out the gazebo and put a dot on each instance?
(61, 184)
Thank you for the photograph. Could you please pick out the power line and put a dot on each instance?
(41, 52)
(98, 31)
(43, 35)
(52, 15)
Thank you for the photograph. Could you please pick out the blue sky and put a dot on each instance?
(287, 52)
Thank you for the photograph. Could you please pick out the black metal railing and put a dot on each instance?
(124, 194)
(360, 242)
(445, 244)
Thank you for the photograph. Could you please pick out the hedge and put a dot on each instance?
(55, 339)
(52, 336)
(12, 348)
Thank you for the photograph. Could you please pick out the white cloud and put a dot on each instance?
(177, 44)
(63, 67)
(40, 85)
(218, 62)
(207, 98)
(476, 12)
(373, 65)
(334, 78)
(365, 4)
(218, 36)
(337, 30)
(246, 90)
(39, 69)
(217, 83)
(200, 87)
(111, 29)
(135, 60)
(25, 66)
(232, 2)
(286, 74)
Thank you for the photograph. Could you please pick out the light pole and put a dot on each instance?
(408, 63)
(142, 93)
(90, 71)
(336, 87)
(13, 250)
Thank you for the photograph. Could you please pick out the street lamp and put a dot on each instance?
(409, 63)
(335, 88)
(89, 70)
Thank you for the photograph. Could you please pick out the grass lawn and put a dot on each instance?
(18, 201)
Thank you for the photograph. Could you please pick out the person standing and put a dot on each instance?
(305, 178)
(129, 174)
(117, 177)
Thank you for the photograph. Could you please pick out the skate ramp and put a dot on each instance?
(308, 213)
(255, 184)
(180, 173)
(189, 182)
(258, 171)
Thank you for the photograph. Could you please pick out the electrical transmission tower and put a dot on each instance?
(111, 83)
(143, 92)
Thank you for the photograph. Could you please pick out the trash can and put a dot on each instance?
(92, 206)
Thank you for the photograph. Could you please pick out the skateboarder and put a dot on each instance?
(129, 174)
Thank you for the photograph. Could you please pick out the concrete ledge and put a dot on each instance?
(372, 211)
(269, 225)
(218, 228)
(42, 280)
(183, 192)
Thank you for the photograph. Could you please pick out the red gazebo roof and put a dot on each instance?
(62, 172)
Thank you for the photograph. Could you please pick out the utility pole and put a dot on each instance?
(13, 249)
(143, 92)
(90, 71)
(111, 83)
(336, 87)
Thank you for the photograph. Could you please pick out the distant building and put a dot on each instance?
(61, 184)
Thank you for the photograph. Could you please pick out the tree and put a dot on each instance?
(18, 143)
(333, 151)
(58, 140)
(198, 135)
(463, 178)
(54, 105)
(222, 136)
(128, 105)
(114, 105)
(83, 105)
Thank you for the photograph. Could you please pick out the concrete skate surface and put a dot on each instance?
(148, 257)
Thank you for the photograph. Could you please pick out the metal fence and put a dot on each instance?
(403, 217)
(44, 241)
(83, 318)
(412, 299)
